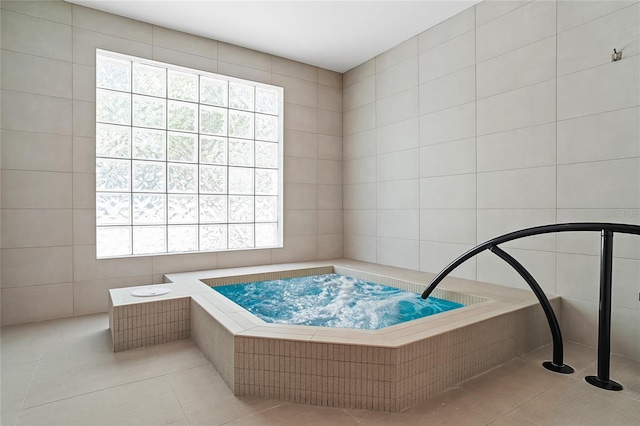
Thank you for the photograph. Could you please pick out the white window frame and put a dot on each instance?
(102, 223)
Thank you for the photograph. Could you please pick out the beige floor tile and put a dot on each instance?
(71, 374)
(196, 387)
(455, 407)
(380, 418)
(511, 419)
(63, 372)
(15, 381)
(574, 354)
(206, 399)
(291, 413)
(20, 343)
(180, 355)
(512, 385)
(622, 370)
(575, 402)
(148, 402)
(76, 343)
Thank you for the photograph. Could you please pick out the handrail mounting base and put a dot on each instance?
(603, 384)
(563, 369)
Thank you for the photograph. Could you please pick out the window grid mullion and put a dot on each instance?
(198, 96)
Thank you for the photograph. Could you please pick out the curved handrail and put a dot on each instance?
(602, 380)
(528, 232)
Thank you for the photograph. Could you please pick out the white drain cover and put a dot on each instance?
(150, 291)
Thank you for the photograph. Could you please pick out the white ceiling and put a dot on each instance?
(336, 35)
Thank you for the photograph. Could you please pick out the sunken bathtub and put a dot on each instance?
(388, 369)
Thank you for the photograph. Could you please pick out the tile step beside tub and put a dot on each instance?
(388, 369)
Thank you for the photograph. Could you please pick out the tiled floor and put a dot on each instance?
(63, 372)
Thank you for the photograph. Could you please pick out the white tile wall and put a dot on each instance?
(94, 20)
(447, 30)
(240, 56)
(36, 228)
(403, 253)
(34, 266)
(294, 69)
(18, 146)
(399, 107)
(397, 78)
(186, 43)
(579, 276)
(448, 91)
(435, 256)
(359, 119)
(589, 242)
(330, 222)
(490, 10)
(584, 46)
(398, 194)
(398, 165)
(607, 136)
(512, 189)
(53, 11)
(330, 147)
(360, 222)
(448, 225)
(33, 36)
(297, 91)
(398, 224)
(449, 158)
(432, 66)
(359, 73)
(523, 121)
(494, 222)
(36, 113)
(602, 184)
(528, 106)
(540, 264)
(360, 247)
(448, 192)
(360, 196)
(33, 74)
(599, 89)
(37, 303)
(516, 149)
(395, 55)
(300, 117)
(300, 144)
(496, 147)
(398, 136)
(48, 128)
(163, 54)
(359, 170)
(300, 170)
(531, 64)
(572, 14)
(458, 122)
(300, 222)
(520, 27)
(359, 144)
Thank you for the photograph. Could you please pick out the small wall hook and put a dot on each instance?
(616, 56)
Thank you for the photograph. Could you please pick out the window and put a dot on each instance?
(186, 160)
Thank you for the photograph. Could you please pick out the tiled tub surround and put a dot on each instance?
(388, 369)
(146, 324)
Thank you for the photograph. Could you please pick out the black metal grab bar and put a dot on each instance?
(602, 379)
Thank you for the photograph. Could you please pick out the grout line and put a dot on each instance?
(591, 20)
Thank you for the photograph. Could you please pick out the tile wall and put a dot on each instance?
(49, 268)
(507, 115)
(149, 323)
